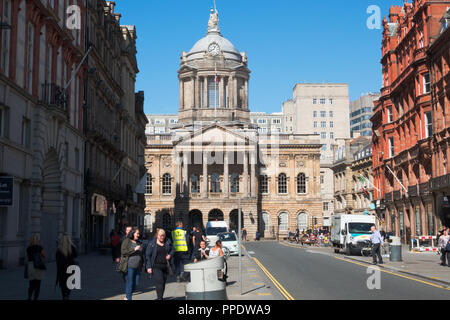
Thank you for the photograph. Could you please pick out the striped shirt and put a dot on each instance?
(376, 237)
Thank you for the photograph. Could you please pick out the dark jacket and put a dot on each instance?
(152, 250)
(62, 263)
(125, 252)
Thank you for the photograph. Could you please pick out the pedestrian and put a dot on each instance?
(115, 246)
(377, 243)
(159, 256)
(216, 251)
(202, 253)
(244, 234)
(198, 237)
(131, 262)
(65, 257)
(443, 243)
(180, 240)
(35, 267)
(191, 244)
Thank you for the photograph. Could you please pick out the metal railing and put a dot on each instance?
(54, 95)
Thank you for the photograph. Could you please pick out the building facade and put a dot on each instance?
(41, 140)
(214, 155)
(361, 111)
(114, 127)
(439, 63)
(353, 181)
(323, 110)
(402, 121)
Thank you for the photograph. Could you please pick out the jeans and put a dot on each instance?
(377, 252)
(132, 281)
(180, 259)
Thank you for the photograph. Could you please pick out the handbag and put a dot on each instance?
(37, 261)
(447, 247)
(169, 268)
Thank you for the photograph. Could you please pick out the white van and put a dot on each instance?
(213, 228)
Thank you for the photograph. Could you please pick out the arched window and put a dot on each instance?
(213, 93)
(265, 221)
(301, 183)
(282, 184)
(215, 183)
(302, 221)
(284, 221)
(235, 183)
(148, 224)
(149, 184)
(264, 184)
(167, 184)
(195, 183)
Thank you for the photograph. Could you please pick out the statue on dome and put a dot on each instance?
(213, 24)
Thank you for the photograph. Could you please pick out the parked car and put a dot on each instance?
(229, 241)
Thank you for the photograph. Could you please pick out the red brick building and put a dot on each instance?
(402, 121)
(439, 62)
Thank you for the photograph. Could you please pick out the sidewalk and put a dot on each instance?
(423, 265)
(100, 281)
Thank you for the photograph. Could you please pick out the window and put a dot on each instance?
(323, 124)
(323, 135)
(426, 83)
(331, 124)
(315, 114)
(315, 124)
(302, 221)
(264, 185)
(284, 221)
(323, 114)
(331, 101)
(325, 206)
(428, 124)
(390, 115)
(301, 183)
(418, 221)
(4, 58)
(331, 114)
(282, 184)
(215, 183)
(30, 57)
(331, 135)
(391, 147)
(148, 224)
(322, 179)
(26, 132)
(235, 183)
(322, 101)
(173, 121)
(314, 101)
(167, 184)
(213, 93)
(149, 184)
(276, 121)
(195, 183)
(66, 154)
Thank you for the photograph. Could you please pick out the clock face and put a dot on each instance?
(214, 49)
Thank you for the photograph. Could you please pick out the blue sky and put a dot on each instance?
(287, 42)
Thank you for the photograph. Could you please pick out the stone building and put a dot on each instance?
(403, 123)
(352, 167)
(41, 137)
(114, 127)
(439, 64)
(214, 155)
(321, 109)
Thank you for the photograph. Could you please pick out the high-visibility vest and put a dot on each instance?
(179, 240)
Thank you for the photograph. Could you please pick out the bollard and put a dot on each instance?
(395, 249)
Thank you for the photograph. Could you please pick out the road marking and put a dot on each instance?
(264, 294)
(275, 282)
(396, 274)
(259, 284)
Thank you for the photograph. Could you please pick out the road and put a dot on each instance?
(305, 274)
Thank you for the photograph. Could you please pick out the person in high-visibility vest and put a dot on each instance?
(180, 246)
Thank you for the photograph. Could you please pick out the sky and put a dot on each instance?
(287, 42)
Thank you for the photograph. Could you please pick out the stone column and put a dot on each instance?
(205, 175)
(226, 175)
(235, 93)
(245, 104)
(205, 92)
(253, 174)
(230, 92)
(185, 173)
(245, 174)
(221, 91)
(178, 175)
(181, 94)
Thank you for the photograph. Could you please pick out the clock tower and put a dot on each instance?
(213, 78)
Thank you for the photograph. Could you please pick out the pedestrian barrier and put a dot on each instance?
(424, 244)
(206, 280)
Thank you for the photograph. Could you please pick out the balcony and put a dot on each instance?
(397, 195)
(54, 96)
(413, 191)
(440, 182)
(388, 197)
(424, 189)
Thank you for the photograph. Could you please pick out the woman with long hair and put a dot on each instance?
(65, 257)
(131, 262)
(35, 271)
(159, 256)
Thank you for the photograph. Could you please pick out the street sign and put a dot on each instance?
(6, 191)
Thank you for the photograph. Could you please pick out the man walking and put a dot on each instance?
(180, 240)
(442, 243)
(377, 242)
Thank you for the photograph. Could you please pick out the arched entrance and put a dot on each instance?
(302, 221)
(195, 219)
(215, 215)
(52, 204)
(234, 222)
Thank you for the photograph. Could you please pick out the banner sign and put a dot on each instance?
(6, 191)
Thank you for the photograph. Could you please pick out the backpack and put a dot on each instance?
(447, 247)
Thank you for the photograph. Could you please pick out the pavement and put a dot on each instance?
(425, 265)
(100, 281)
(315, 273)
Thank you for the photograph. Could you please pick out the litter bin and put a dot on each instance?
(395, 249)
(206, 280)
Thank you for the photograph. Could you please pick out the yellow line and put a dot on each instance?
(258, 284)
(264, 294)
(275, 282)
(398, 275)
